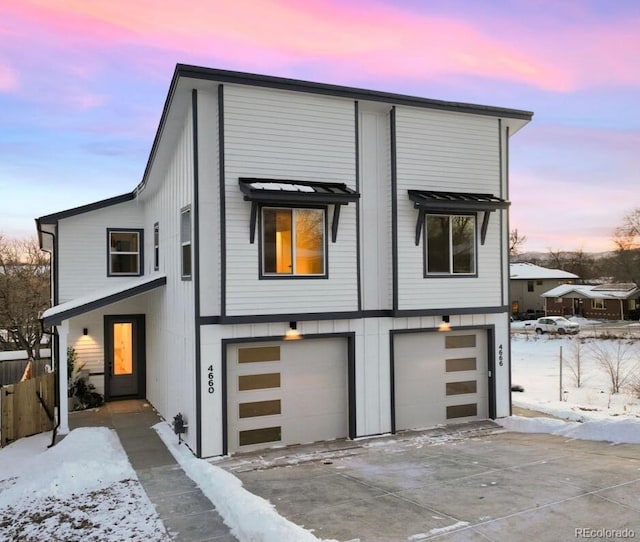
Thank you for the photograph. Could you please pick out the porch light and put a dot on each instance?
(292, 334)
(444, 325)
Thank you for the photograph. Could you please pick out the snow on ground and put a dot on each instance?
(84, 488)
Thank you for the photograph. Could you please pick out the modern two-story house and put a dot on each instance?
(300, 262)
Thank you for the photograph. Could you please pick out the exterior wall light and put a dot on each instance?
(292, 334)
(444, 325)
(85, 331)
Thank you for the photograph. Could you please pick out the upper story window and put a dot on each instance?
(124, 252)
(156, 246)
(450, 244)
(530, 286)
(185, 243)
(293, 242)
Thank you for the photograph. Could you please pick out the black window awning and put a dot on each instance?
(290, 192)
(455, 202)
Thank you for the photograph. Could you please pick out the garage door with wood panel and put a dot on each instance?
(440, 378)
(286, 392)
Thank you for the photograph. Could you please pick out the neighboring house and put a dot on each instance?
(362, 220)
(600, 302)
(528, 282)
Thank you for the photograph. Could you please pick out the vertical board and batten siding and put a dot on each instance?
(82, 248)
(209, 203)
(170, 319)
(449, 152)
(375, 205)
(284, 135)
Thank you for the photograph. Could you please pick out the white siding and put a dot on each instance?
(274, 134)
(209, 203)
(171, 317)
(82, 248)
(375, 204)
(447, 152)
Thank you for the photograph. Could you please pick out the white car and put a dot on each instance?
(556, 324)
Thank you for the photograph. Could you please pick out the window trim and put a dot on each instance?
(140, 232)
(599, 304)
(273, 276)
(183, 243)
(156, 246)
(450, 274)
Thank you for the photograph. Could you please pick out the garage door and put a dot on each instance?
(286, 392)
(440, 378)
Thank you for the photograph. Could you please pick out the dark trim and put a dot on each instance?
(139, 321)
(56, 280)
(351, 376)
(296, 85)
(490, 329)
(504, 217)
(356, 115)
(140, 232)
(195, 270)
(223, 205)
(346, 315)
(54, 217)
(394, 208)
(451, 274)
(392, 382)
(58, 318)
(262, 275)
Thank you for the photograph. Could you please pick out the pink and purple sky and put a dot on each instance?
(82, 85)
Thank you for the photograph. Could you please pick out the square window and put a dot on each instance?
(598, 304)
(124, 252)
(293, 242)
(450, 244)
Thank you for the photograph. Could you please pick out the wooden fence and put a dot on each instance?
(26, 408)
(11, 371)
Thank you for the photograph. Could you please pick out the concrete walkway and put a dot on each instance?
(186, 513)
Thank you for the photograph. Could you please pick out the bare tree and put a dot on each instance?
(574, 361)
(516, 240)
(627, 241)
(618, 359)
(24, 294)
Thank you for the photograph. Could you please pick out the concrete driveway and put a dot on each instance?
(474, 482)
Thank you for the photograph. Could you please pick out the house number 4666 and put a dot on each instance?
(210, 379)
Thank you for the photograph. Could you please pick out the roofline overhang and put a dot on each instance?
(60, 316)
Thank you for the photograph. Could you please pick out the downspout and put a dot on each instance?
(55, 355)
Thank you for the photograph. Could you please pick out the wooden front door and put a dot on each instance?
(124, 356)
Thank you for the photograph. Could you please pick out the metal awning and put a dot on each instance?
(455, 202)
(276, 191)
(124, 290)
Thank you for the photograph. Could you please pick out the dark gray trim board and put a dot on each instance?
(351, 374)
(223, 206)
(356, 115)
(53, 218)
(394, 210)
(346, 315)
(57, 319)
(195, 270)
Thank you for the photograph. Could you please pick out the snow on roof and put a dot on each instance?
(529, 271)
(100, 298)
(590, 291)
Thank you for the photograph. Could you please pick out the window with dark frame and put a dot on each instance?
(293, 241)
(185, 242)
(450, 244)
(125, 252)
(156, 246)
(530, 286)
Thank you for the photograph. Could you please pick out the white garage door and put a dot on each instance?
(440, 378)
(286, 392)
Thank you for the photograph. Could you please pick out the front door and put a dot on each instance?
(124, 356)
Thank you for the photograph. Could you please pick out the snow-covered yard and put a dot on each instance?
(85, 488)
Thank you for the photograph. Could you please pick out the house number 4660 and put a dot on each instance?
(210, 379)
